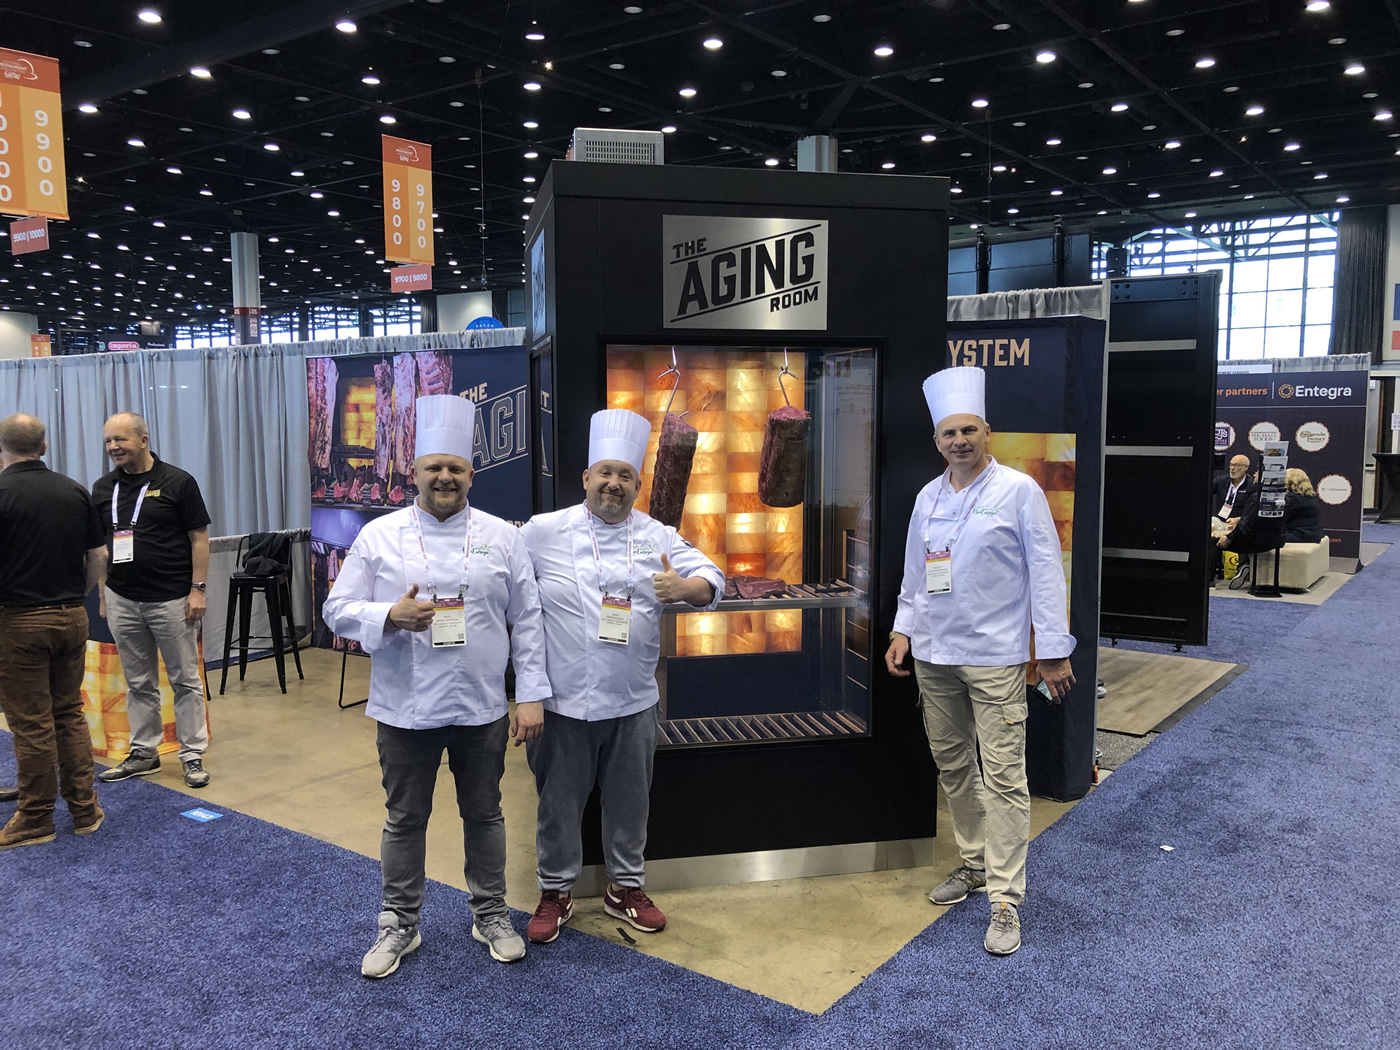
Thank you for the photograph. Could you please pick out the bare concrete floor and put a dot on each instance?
(299, 762)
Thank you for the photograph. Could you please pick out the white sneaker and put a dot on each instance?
(391, 945)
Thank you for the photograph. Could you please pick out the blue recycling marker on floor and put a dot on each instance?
(204, 816)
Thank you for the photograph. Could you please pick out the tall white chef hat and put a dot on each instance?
(444, 426)
(955, 391)
(616, 433)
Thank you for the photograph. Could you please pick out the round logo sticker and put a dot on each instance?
(1285, 390)
(1261, 432)
(1312, 437)
(1224, 436)
(1334, 489)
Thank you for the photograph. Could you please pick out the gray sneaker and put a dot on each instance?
(133, 765)
(499, 935)
(1004, 931)
(959, 883)
(196, 776)
(391, 945)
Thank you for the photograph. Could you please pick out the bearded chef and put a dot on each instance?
(982, 567)
(428, 591)
(605, 571)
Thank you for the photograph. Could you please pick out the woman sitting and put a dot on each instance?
(1302, 514)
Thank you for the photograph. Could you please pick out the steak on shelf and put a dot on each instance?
(751, 587)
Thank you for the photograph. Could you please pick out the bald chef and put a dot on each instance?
(981, 567)
(428, 592)
(605, 571)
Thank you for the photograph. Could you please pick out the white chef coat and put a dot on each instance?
(413, 685)
(1007, 574)
(590, 679)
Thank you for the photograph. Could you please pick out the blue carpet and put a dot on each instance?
(1268, 925)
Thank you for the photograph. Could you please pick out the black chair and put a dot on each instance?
(266, 569)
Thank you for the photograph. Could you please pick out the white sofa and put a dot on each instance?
(1300, 566)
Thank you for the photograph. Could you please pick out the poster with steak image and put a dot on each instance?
(363, 427)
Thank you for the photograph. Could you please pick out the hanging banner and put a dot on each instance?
(32, 178)
(408, 201)
(1322, 416)
(41, 346)
(29, 235)
(1045, 403)
(364, 427)
(410, 279)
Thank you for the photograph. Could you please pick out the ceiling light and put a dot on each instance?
(935, 80)
(1057, 193)
(174, 170)
(1254, 111)
(1292, 147)
(369, 78)
(449, 59)
(531, 124)
(201, 72)
(1383, 115)
(772, 162)
(928, 137)
(778, 73)
(1205, 62)
(136, 142)
(297, 174)
(1013, 211)
(345, 25)
(535, 35)
(668, 129)
(206, 192)
(884, 51)
(1002, 27)
(1190, 214)
(528, 200)
(1110, 171)
(271, 51)
(528, 178)
(1052, 142)
(887, 165)
(632, 9)
(83, 43)
(1334, 41)
(1175, 32)
(980, 103)
(1314, 6)
(530, 155)
(388, 119)
(616, 65)
(1149, 127)
(713, 43)
(999, 167)
(1119, 107)
(242, 114)
(1320, 175)
(1045, 57)
(87, 107)
(531, 85)
(1354, 70)
(1343, 199)
(605, 109)
(1216, 173)
(271, 147)
(1153, 195)
(150, 16)
(1086, 84)
(821, 18)
(1173, 144)
(687, 92)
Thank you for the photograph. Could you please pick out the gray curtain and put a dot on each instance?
(235, 417)
(1358, 304)
(1086, 300)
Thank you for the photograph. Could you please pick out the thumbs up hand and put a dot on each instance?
(410, 613)
(668, 584)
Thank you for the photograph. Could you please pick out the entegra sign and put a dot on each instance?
(726, 272)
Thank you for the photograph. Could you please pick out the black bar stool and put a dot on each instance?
(276, 590)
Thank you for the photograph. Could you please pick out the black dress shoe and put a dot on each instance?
(9, 794)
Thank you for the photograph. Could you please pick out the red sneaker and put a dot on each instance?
(553, 911)
(632, 905)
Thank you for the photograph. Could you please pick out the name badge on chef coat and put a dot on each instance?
(938, 571)
(449, 622)
(123, 546)
(615, 620)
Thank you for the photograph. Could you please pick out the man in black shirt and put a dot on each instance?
(157, 566)
(50, 556)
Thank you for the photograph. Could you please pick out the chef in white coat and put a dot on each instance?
(605, 570)
(428, 592)
(982, 566)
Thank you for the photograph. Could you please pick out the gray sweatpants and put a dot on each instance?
(146, 632)
(569, 757)
(409, 760)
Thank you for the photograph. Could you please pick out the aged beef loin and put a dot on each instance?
(782, 467)
(751, 587)
(322, 377)
(405, 412)
(383, 420)
(674, 454)
(434, 372)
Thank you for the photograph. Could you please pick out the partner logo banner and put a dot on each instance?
(747, 273)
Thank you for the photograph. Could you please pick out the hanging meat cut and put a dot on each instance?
(383, 420)
(405, 412)
(782, 466)
(434, 372)
(675, 453)
(322, 377)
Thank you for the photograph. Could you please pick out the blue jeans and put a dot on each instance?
(409, 760)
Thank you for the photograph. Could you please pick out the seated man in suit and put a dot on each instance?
(1232, 490)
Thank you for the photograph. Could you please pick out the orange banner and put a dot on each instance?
(32, 176)
(40, 346)
(29, 235)
(411, 279)
(408, 201)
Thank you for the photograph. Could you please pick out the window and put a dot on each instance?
(404, 317)
(1276, 279)
(331, 321)
(212, 333)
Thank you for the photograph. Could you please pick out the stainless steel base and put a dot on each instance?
(683, 873)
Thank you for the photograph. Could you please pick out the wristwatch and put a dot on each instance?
(199, 586)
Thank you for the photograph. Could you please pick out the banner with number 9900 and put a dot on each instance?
(32, 180)
(408, 201)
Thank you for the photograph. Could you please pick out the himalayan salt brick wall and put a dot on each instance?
(726, 396)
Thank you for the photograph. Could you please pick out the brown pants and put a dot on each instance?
(41, 676)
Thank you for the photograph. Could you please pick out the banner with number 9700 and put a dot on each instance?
(32, 180)
(408, 201)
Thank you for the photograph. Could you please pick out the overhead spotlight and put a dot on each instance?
(150, 16)
(173, 170)
(1119, 107)
(1292, 147)
(887, 165)
(1190, 215)
(87, 107)
(137, 143)
(1052, 142)
(1320, 175)
(713, 43)
(530, 154)
(668, 129)
(884, 51)
(1057, 193)
(1254, 111)
(687, 92)
(1354, 70)
(1343, 199)
(388, 119)
(999, 167)
(242, 114)
(778, 73)
(928, 137)
(536, 36)
(1013, 211)
(531, 124)
(980, 103)
(1317, 6)
(1216, 173)
(1045, 57)
(1205, 62)
(772, 162)
(1383, 115)
(1173, 144)
(821, 18)
(346, 26)
(370, 79)
(271, 147)
(531, 85)
(1110, 171)
(200, 72)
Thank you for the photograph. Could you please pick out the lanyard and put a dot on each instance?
(1230, 496)
(966, 517)
(466, 554)
(140, 499)
(598, 556)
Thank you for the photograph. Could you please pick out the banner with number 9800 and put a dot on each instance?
(32, 180)
(408, 201)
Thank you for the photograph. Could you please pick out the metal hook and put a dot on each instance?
(785, 372)
(673, 370)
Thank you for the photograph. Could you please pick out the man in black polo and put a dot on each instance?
(157, 566)
(51, 554)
